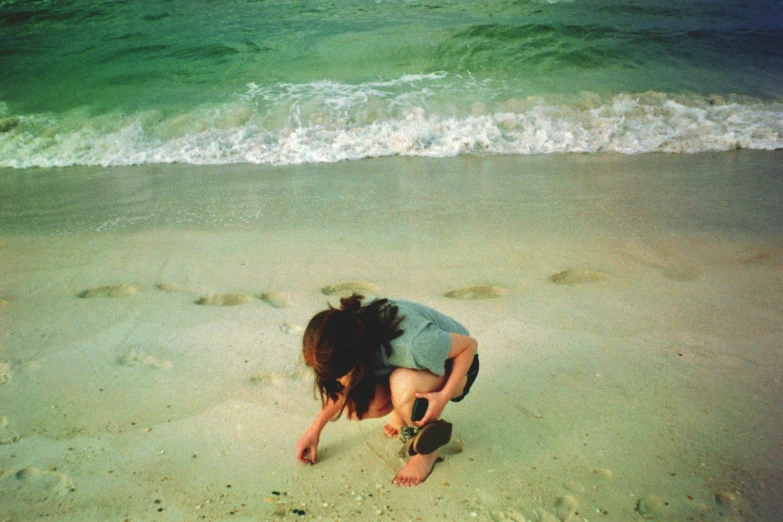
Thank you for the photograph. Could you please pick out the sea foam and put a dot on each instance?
(434, 115)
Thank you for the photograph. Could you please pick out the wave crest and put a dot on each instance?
(418, 115)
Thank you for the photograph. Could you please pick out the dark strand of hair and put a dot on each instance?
(346, 340)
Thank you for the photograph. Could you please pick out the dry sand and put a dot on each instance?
(628, 312)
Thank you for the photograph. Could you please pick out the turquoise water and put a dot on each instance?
(285, 82)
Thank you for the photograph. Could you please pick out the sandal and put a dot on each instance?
(429, 438)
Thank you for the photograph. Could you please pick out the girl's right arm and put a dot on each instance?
(307, 446)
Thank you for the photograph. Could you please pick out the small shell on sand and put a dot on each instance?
(276, 299)
(223, 300)
(108, 291)
(575, 277)
(725, 499)
(347, 288)
(476, 292)
(603, 473)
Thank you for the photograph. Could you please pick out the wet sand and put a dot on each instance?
(628, 311)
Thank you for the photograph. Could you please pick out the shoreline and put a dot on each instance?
(630, 359)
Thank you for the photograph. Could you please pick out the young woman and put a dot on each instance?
(375, 358)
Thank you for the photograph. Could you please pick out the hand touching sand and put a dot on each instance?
(307, 447)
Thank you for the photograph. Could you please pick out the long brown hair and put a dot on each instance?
(346, 340)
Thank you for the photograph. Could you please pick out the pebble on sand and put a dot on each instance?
(724, 498)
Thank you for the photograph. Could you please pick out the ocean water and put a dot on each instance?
(112, 82)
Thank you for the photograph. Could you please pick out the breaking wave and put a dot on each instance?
(435, 115)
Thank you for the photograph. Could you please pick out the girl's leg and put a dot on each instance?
(404, 383)
(393, 425)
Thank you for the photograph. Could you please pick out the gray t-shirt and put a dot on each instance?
(426, 343)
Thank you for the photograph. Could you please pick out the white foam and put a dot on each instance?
(418, 115)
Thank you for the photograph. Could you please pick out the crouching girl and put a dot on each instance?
(376, 358)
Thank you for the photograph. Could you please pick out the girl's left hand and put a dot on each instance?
(435, 407)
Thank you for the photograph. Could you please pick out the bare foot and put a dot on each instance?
(392, 427)
(416, 470)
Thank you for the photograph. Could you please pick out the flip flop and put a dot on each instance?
(430, 438)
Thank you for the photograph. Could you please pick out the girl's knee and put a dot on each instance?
(402, 384)
(406, 382)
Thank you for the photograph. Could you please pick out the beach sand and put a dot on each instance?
(628, 309)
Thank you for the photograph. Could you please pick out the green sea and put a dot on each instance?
(281, 82)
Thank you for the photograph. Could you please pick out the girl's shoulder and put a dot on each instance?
(419, 315)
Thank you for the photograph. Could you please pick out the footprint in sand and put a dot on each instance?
(5, 372)
(134, 358)
(171, 287)
(577, 277)
(665, 262)
(276, 299)
(652, 506)
(565, 507)
(7, 435)
(108, 291)
(348, 288)
(224, 300)
(47, 481)
(476, 292)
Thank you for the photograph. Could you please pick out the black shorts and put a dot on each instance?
(472, 374)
